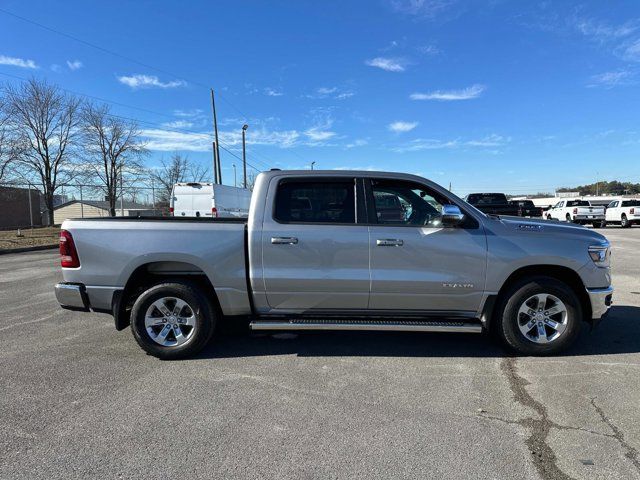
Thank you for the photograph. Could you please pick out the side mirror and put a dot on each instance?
(451, 215)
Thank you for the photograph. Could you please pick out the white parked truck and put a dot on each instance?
(625, 211)
(576, 211)
(196, 199)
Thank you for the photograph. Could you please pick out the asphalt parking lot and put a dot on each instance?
(80, 400)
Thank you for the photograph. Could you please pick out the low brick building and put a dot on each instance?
(14, 207)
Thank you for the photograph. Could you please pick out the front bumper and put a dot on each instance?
(601, 299)
(72, 296)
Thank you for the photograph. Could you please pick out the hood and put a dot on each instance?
(534, 226)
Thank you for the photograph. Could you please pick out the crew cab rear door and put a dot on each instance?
(315, 249)
(416, 263)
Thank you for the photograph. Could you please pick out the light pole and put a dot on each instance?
(312, 164)
(234, 175)
(244, 156)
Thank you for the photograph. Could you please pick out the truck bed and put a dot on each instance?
(112, 249)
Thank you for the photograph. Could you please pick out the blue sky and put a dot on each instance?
(488, 95)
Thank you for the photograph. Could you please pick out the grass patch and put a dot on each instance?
(9, 239)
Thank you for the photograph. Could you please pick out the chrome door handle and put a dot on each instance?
(284, 240)
(389, 242)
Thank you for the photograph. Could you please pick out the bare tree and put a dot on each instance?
(6, 141)
(45, 121)
(178, 169)
(115, 148)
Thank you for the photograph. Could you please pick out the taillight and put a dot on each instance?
(214, 212)
(171, 210)
(575, 211)
(632, 211)
(68, 253)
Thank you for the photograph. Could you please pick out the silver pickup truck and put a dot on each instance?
(339, 250)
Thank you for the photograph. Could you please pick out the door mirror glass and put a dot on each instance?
(451, 215)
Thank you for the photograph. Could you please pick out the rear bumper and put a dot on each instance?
(77, 296)
(72, 296)
(587, 218)
(601, 300)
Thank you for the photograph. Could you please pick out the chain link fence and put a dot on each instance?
(22, 205)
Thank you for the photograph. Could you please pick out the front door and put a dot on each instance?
(416, 263)
(315, 253)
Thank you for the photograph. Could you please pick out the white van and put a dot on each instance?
(208, 200)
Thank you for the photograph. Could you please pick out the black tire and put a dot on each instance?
(568, 217)
(601, 224)
(624, 221)
(549, 217)
(203, 313)
(507, 317)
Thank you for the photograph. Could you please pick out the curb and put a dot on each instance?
(4, 251)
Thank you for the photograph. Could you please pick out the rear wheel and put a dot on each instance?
(624, 221)
(539, 316)
(600, 224)
(172, 320)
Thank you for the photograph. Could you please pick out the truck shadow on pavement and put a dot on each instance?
(618, 333)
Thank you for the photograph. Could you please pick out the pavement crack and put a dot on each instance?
(630, 452)
(551, 423)
(544, 458)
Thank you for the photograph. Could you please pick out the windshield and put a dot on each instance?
(578, 203)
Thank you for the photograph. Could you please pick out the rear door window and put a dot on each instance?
(327, 202)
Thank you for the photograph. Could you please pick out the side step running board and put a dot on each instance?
(377, 325)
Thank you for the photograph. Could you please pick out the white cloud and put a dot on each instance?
(316, 134)
(272, 92)
(474, 91)
(601, 31)
(327, 90)
(178, 124)
(421, 8)
(428, 50)
(358, 142)
(148, 81)
(489, 143)
(330, 92)
(399, 127)
(632, 51)
(74, 65)
(425, 144)
(168, 141)
(388, 64)
(193, 113)
(611, 79)
(17, 62)
(492, 140)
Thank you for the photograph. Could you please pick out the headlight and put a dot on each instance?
(600, 254)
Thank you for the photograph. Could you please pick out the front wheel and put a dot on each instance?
(539, 316)
(172, 320)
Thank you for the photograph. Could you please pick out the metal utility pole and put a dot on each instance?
(244, 156)
(215, 163)
(30, 207)
(217, 144)
(312, 164)
(121, 193)
(235, 183)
